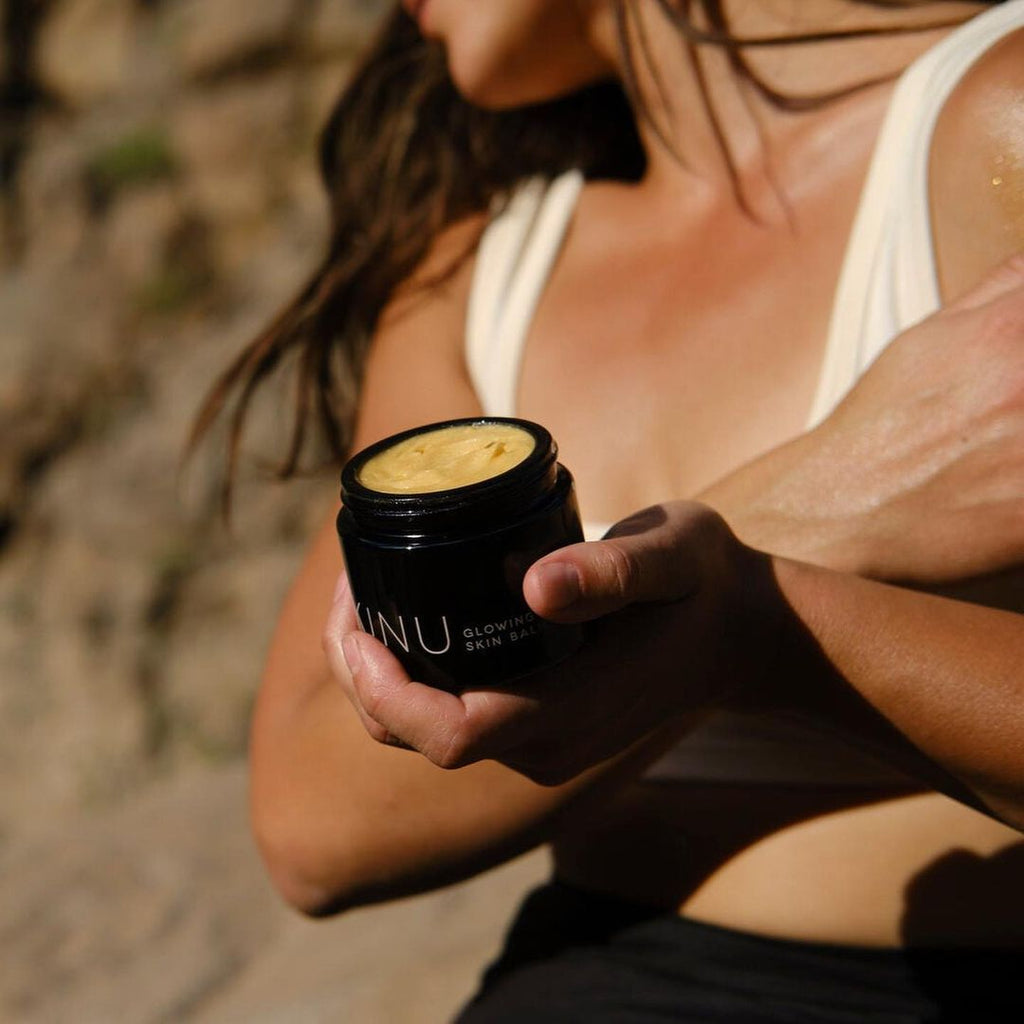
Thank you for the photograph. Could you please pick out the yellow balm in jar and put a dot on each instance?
(438, 460)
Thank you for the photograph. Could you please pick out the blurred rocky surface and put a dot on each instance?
(158, 202)
(84, 50)
(163, 913)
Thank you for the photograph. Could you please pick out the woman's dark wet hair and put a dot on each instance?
(402, 156)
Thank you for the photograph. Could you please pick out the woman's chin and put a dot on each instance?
(491, 91)
(494, 92)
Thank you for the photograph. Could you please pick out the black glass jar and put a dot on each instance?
(437, 576)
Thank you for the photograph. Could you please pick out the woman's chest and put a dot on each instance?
(661, 371)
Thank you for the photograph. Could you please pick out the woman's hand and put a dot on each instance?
(918, 475)
(668, 589)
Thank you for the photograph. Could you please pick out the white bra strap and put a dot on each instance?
(513, 263)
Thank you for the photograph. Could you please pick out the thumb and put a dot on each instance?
(1007, 277)
(652, 556)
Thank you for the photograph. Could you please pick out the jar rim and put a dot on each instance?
(534, 466)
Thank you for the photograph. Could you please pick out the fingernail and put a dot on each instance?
(350, 649)
(560, 582)
(340, 587)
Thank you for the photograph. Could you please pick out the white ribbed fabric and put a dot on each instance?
(513, 264)
(887, 284)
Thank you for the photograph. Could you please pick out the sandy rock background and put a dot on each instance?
(158, 202)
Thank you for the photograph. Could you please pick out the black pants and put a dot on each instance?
(573, 956)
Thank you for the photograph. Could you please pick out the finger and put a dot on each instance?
(341, 621)
(653, 556)
(1004, 279)
(342, 616)
(334, 648)
(451, 731)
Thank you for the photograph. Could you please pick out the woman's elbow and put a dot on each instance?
(302, 891)
(315, 879)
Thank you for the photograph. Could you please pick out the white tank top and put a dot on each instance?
(888, 283)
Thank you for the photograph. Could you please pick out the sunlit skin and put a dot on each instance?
(643, 337)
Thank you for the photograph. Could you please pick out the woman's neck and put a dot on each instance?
(687, 144)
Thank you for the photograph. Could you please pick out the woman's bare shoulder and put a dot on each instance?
(977, 168)
(416, 369)
(441, 279)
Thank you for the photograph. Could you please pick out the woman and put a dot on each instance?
(719, 856)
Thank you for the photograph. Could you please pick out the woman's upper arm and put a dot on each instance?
(976, 172)
(340, 818)
(416, 368)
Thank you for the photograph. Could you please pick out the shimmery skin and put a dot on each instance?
(1008, 164)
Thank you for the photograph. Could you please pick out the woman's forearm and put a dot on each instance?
(342, 822)
(787, 501)
(932, 685)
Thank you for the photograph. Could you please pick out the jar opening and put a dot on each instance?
(446, 457)
(523, 477)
